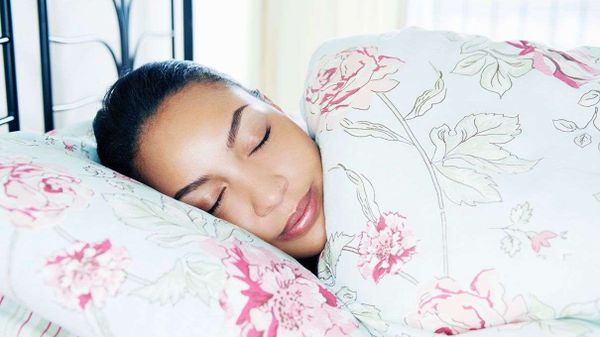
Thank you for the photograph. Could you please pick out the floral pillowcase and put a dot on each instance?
(461, 181)
(100, 254)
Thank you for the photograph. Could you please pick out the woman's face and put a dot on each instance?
(227, 152)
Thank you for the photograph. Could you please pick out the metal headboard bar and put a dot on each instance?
(123, 64)
(10, 78)
(45, 63)
(188, 30)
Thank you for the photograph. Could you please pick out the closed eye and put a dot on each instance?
(217, 203)
(263, 141)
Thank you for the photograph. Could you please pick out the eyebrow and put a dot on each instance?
(235, 126)
(231, 136)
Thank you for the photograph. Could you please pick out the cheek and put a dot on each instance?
(296, 152)
(240, 213)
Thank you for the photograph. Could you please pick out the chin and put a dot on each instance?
(313, 244)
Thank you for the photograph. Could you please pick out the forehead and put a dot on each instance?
(188, 127)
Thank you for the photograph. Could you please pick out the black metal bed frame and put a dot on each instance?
(10, 77)
(123, 63)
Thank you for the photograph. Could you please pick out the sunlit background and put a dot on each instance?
(266, 44)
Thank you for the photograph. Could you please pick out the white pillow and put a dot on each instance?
(103, 255)
(461, 179)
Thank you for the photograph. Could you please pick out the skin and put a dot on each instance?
(187, 137)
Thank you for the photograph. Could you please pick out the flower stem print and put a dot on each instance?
(578, 319)
(168, 223)
(497, 68)
(520, 215)
(331, 255)
(369, 315)
(498, 65)
(194, 275)
(589, 99)
(10, 259)
(432, 174)
(383, 247)
(464, 158)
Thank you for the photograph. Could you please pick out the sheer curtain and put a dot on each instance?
(267, 44)
(561, 23)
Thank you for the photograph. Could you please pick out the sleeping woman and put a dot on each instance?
(201, 137)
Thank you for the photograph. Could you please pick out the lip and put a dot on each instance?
(303, 218)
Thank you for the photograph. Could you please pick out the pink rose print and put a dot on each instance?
(446, 307)
(540, 239)
(385, 246)
(559, 64)
(37, 195)
(68, 146)
(87, 273)
(272, 297)
(348, 79)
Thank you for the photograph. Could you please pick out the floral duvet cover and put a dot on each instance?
(461, 182)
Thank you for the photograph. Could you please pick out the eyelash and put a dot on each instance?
(258, 147)
(263, 141)
(217, 203)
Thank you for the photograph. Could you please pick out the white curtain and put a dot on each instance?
(267, 44)
(561, 23)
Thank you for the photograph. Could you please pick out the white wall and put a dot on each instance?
(83, 70)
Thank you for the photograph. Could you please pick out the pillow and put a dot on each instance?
(15, 320)
(101, 254)
(461, 179)
(77, 139)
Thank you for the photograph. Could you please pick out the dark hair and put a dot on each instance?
(134, 98)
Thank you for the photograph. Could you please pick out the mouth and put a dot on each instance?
(303, 218)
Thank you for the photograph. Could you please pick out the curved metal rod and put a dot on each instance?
(7, 119)
(116, 5)
(85, 39)
(145, 36)
(77, 104)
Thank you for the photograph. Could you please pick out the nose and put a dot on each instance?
(268, 193)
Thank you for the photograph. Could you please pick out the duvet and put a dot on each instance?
(461, 183)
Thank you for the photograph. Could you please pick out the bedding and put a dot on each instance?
(16, 320)
(100, 254)
(461, 182)
(442, 153)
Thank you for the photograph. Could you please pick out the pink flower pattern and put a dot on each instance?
(385, 246)
(279, 298)
(87, 273)
(347, 79)
(68, 146)
(37, 195)
(541, 239)
(446, 307)
(570, 70)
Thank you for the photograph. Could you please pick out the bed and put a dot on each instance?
(450, 123)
